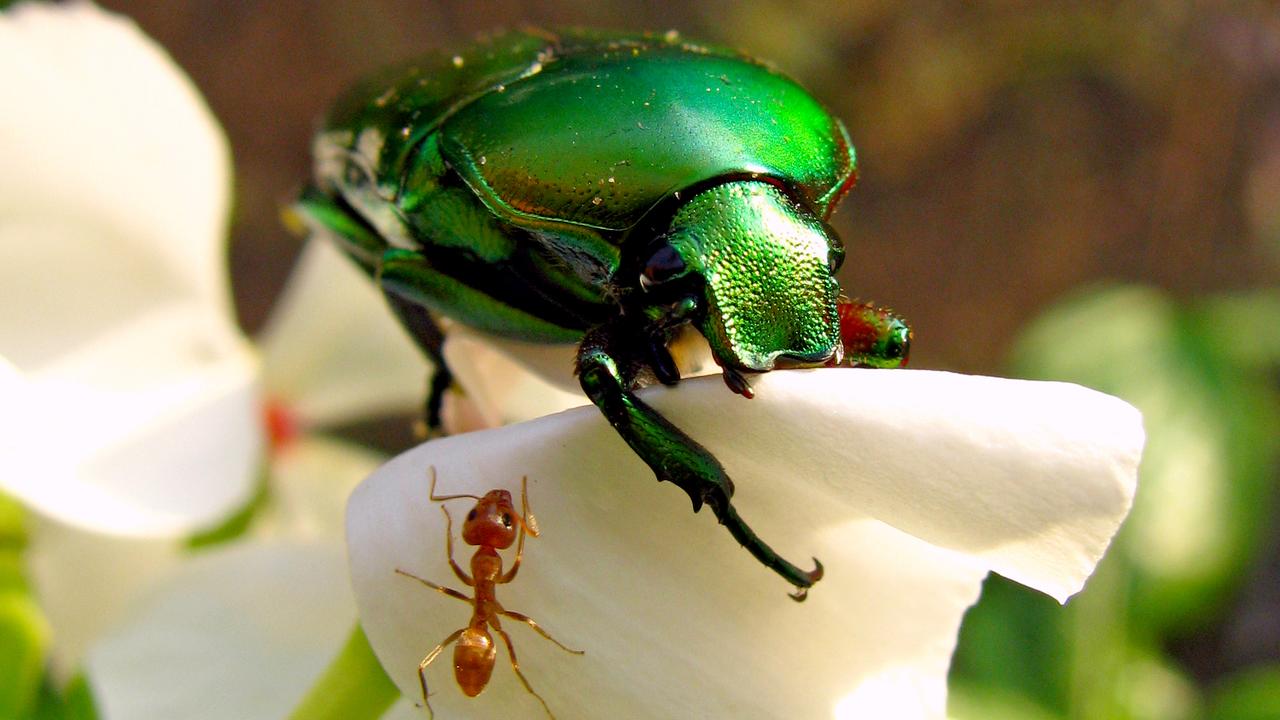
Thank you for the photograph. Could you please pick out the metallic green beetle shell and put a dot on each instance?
(595, 131)
(602, 189)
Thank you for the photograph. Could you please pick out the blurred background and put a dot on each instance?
(1078, 191)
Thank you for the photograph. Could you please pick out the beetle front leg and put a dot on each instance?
(671, 454)
(430, 340)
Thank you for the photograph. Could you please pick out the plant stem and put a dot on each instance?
(354, 687)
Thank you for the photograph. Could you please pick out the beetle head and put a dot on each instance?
(872, 336)
(766, 296)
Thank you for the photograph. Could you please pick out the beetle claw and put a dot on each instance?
(664, 366)
(814, 575)
(738, 383)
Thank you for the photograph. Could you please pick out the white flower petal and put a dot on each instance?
(130, 406)
(403, 709)
(678, 621)
(102, 132)
(332, 350)
(512, 381)
(1032, 478)
(87, 582)
(311, 479)
(505, 390)
(239, 633)
(125, 438)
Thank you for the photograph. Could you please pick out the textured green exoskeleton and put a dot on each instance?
(607, 190)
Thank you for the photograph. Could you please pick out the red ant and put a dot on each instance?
(490, 526)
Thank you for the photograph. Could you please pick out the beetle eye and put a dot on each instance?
(663, 265)
(506, 519)
(471, 515)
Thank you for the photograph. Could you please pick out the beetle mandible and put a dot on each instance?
(609, 190)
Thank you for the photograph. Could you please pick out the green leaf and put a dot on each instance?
(24, 639)
(975, 703)
(354, 687)
(24, 633)
(238, 523)
(13, 524)
(1013, 642)
(74, 702)
(1244, 328)
(1205, 481)
(1149, 686)
(1251, 695)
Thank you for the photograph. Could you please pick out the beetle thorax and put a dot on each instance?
(766, 263)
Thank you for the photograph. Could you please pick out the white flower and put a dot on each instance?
(908, 485)
(332, 352)
(128, 400)
(264, 615)
(130, 407)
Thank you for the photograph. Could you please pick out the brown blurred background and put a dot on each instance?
(1009, 151)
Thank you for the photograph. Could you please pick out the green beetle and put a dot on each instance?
(608, 190)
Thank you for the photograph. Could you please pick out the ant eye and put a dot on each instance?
(665, 264)
(506, 519)
(471, 515)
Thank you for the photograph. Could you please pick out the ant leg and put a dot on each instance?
(538, 629)
(527, 522)
(448, 548)
(442, 589)
(515, 665)
(422, 666)
(530, 522)
(448, 527)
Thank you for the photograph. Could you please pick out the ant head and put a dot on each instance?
(493, 522)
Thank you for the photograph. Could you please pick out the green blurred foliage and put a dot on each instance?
(237, 523)
(354, 687)
(73, 702)
(1207, 478)
(1203, 375)
(24, 635)
(1251, 695)
(26, 691)
(987, 703)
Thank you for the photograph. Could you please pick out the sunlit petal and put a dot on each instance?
(311, 479)
(101, 131)
(971, 478)
(238, 633)
(130, 405)
(87, 582)
(119, 439)
(506, 391)
(511, 381)
(1033, 478)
